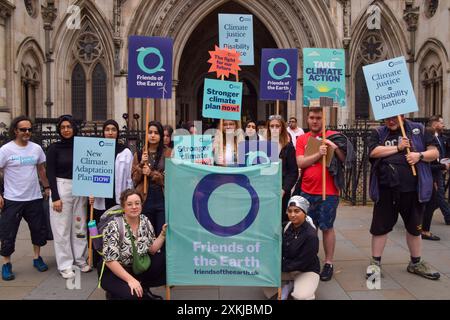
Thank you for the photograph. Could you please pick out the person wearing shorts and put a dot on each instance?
(397, 191)
(323, 212)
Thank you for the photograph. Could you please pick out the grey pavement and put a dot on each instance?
(351, 259)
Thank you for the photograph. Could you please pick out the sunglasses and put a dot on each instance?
(275, 117)
(25, 129)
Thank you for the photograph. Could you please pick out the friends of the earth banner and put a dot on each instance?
(224, 225)
(150, 67)
(278, 74)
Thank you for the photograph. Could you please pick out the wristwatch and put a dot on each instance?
(421, 156)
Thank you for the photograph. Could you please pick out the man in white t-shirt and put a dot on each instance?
(21, 161)
(294, 131)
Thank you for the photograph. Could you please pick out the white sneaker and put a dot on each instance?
(85, 268)
(67, 273)
(286, 290)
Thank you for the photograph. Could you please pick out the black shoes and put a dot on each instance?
(431, 237)
(151, 296)
(327, 272)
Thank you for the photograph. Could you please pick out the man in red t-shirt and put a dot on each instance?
(322, 212)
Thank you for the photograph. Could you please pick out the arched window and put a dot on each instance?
(430, 94)
(78, 93)
(362, 101)
(99, 98)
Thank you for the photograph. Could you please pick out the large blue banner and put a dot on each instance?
(224, 224)
(150, 67)
(278, 74)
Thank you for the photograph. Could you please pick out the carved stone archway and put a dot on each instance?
(292, 24)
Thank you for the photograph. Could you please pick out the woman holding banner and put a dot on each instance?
(151, 163)
(121, 279)
(226, 141)
(122, 174)
(168, 132)
(278, 133)
(67, 212)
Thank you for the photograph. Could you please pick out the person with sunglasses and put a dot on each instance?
(67, 212)
(294, 131)
(278, 133)
(21, 163)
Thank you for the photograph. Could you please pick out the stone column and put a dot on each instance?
(48, 16)
(5, 13)
(411, 17)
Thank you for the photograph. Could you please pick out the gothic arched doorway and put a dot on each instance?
(194, 68)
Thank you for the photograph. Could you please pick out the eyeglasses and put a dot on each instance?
(25, 129)
(275, 117)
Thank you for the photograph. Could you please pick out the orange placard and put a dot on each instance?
(224, 62)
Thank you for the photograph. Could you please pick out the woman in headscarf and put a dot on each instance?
(67, 212)
(122, 174)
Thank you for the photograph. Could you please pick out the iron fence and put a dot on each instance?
(356, 187)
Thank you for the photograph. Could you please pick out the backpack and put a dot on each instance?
(113, 213)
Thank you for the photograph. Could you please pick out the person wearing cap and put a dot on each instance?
(122, 175)
(67, 212)
(300, 264)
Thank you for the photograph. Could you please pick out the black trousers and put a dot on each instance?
(11, 215)
(119, 289)
(430, 207)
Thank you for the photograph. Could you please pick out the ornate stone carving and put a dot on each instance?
(88, 47)
(49, 14)
(372, 48)
(6, 9)
(411, 17)
(431, 7)
(30, 6)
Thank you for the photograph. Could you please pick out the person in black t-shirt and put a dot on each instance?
(398, 191)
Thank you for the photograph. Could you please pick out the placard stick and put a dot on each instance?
(222, 77)
(279, 294)
(324, 157)
(167, 292)
(408, 150)
(278, 107)
(91, 217)
(147, 120)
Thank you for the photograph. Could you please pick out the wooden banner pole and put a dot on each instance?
(324, 157)
(167, 292)
(91, 217)
(147, 120)
(278, 107)
(279, 294)
(408, 150)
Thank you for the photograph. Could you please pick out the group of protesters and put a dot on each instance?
(395, 189)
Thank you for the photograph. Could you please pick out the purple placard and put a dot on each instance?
(150, 67)
(278, 74)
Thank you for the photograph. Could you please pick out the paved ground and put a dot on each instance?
(351, 258)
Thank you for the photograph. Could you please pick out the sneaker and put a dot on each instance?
(39, 264)
(327, 272)
(85, 268)
(423, 269)
(67, 273)
(7, 273)
(373, 268)
(286, 290)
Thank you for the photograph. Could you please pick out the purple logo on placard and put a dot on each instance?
(278, 74)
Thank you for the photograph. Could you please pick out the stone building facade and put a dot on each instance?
(70, 56)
